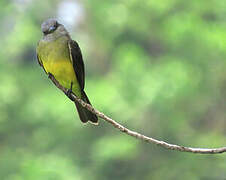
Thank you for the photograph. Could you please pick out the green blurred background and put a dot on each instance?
(157, 67)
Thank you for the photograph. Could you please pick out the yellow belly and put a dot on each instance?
(56, 60)
(64, 73)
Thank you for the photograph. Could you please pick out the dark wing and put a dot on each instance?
(77, 61)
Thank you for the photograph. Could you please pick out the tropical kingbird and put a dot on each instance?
(61, 57)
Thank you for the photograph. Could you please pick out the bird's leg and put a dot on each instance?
(69, 91)
(50, 75)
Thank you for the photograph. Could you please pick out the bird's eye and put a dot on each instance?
(52, 28)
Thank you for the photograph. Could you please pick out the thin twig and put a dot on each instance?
(138, 135)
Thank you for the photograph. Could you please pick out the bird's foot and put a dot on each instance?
(68, 94)
(50, 75)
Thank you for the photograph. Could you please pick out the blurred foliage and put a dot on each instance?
(157, 67)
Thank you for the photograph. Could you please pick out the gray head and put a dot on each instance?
(51, 27)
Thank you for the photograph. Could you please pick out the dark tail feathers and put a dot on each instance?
(84, 114)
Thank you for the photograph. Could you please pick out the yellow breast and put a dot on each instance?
(55, 57)
(62, 70)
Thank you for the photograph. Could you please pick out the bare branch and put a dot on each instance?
(138, 135)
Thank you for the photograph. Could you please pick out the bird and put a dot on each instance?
(61, 57)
